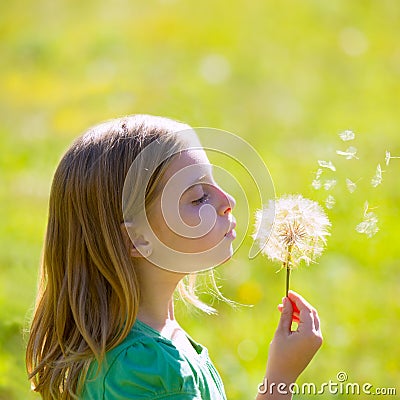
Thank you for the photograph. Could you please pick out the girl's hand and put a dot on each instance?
(291, 351)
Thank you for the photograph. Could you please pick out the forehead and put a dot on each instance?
(188, 165)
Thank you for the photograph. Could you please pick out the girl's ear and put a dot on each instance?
(136, 243)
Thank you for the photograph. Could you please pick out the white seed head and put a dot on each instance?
(347, 135)
(326, 164)
(292, 221)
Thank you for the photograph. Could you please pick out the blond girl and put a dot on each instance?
(125, 231)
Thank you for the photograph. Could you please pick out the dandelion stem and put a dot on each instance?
(287, 280)
(287, 265)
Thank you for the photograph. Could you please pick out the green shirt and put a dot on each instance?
(147, 365)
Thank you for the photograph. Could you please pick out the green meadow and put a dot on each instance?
(287, 77)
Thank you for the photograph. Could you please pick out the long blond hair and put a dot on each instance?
(88, 295)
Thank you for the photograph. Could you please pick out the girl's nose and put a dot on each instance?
(232, 203)
(227, 203)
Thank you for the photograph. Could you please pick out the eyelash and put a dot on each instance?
(201, 200)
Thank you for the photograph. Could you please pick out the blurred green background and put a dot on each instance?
(287, 76)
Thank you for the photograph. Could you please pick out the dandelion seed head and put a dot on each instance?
(295, 221)
(292, 234)
(347, 135)
(330, 202)
(329, 184)
(369, 225)
(366, 208)
(387, 157)
(351, 186)
(349, 153)
(326, 164)
(377, 178)
(316, 184)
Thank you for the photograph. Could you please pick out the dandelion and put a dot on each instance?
(388, 157)
(318, 173)
(351, 186)
(347, 135)
(349, 153)
(316, 183)
(377, 178)
(369, 224)
(329, 184)
(326, 164)
(330, 202)
(294, 230)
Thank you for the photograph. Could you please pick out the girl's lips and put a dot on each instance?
(231, 233)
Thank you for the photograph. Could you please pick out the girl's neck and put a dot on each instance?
(156, 315)
(157, 287)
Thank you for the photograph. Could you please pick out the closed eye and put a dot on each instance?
(203, 199)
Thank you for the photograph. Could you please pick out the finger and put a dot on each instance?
(306, 311)
(285, 321)
(295, 315)
(295, 312)
(295, 309)
(299, 300)
(317, 322)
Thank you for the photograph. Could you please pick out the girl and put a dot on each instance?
(134, 213)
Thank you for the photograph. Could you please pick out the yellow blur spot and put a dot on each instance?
(250, 292)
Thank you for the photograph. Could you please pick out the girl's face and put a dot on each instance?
(192, 215)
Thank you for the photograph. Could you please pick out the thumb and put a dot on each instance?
(285, 321)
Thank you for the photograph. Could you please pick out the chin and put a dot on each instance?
(227, 256)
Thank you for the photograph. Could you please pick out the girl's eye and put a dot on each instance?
(203, 199)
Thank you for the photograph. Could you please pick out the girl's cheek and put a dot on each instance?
(190, 215)
(208, 222)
